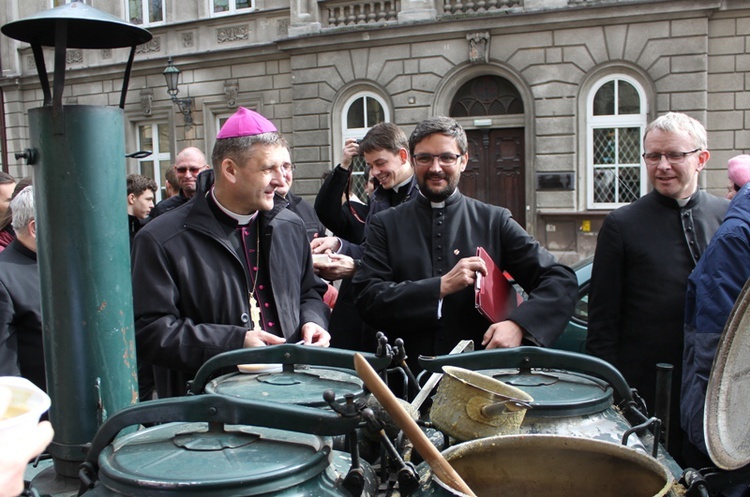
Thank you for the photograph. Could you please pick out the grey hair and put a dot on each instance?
(676, 122)
(23, 210)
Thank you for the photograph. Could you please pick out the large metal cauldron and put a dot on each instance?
(550, 466)
(304, 373)
(573, 395)
(218, 449)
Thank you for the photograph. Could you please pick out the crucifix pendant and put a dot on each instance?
(254, 313)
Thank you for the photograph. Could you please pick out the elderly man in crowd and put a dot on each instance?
(189, 164)
(222, 273)
(644, 255)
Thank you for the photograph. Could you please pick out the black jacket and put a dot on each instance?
(191, 289)
(336, 216)
(644, 255)
(21, 343)
(411, 246)
(168, 204)
(306, 212)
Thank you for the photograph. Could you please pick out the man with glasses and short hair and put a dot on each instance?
(189, 164)
(385, 150)
(644, 255)
(420, 265)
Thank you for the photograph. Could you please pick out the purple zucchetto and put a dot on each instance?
(739, 170)
(245, 122)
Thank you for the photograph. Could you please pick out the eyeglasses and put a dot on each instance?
(183, 169)
(653, 158)
(288, 167)
(444, 159)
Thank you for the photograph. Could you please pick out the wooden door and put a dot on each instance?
(495, 173)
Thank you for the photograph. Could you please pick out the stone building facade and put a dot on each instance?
(554, 94)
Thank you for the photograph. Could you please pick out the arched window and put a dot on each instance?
(361, 112)
(616, 118)
(487, 96)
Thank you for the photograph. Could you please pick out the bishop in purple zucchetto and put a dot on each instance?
(245, 122)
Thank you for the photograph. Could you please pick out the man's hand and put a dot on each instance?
(338, 266)
(351, 150)
(325, 244)
(502, 335)
(260, 338)
(312, 334)
(463, 274)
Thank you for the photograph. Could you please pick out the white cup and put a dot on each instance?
(27, 404)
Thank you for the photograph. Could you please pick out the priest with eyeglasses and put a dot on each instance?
(420, 266)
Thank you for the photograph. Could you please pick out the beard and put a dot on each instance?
(438, 195)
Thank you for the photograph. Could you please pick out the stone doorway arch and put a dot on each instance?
(496, 171)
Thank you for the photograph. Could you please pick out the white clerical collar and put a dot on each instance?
(242, 219)
(440, 205)
(408, 180)
(682, 202)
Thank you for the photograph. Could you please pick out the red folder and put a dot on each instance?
(494, 296)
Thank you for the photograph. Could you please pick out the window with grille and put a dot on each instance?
(361, 112)
(616, 119)
(154, 137)
(145, 12)
(222, 7)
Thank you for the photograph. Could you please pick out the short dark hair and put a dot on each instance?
(171, 176)
(138, 184)
(446, 126)
(384, 136)
(238, 148)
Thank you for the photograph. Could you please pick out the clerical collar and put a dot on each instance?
(242, 219)
(404, 183)
(682, 202)
(440, 205)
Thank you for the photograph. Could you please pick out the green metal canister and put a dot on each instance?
(84, 265)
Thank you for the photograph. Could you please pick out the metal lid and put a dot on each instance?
(558, 393)
(725, 425)
(301, 386)
(86, 27)
(192, 459)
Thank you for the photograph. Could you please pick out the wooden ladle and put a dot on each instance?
(442, 468)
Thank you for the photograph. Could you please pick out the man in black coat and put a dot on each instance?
(221, 273)
(21, 344)
(190, 162)
(644, 255)
(418, 272)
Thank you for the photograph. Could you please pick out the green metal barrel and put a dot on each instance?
(84, 267)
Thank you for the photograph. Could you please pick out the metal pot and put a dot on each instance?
(470, 405)
(222, 447)
(550, 465)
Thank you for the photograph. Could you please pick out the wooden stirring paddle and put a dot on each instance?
(422, 444)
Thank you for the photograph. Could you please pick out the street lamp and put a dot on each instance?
(172, 76)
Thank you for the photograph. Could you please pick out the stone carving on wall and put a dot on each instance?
(107, 53)
(233, 33)
(150, 46)
(30, 64)
(147, 98)
(479, 47)
(187, 39)
(231, 88)
(73, 56)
